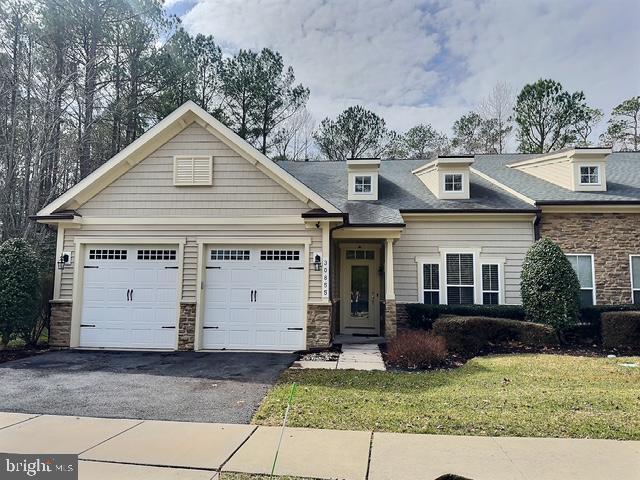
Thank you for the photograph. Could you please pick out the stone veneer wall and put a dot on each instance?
(187, 326)
(60, 324)
(402, 317)
(610, 237)
(319, 326)
(390, 319)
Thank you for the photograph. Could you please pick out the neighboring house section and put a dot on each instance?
(191, 239)
(602, 245)
(592, 211)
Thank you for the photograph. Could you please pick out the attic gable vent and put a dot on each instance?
(188, 170)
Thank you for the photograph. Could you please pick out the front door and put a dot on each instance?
(360, 290)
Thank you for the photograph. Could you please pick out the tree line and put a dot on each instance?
(543, 117)
(82, 79)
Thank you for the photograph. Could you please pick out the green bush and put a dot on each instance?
(469, 335)
(621, 330)
(550, 288)
(592, 315)
(19, 289)
(422, 316)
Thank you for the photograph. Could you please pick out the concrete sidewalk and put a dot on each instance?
(134, 449)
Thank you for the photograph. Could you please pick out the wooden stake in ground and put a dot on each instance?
(284, 424)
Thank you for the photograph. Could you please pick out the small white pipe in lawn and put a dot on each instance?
(284, 424)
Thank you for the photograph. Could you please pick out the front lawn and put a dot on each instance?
(508, 395)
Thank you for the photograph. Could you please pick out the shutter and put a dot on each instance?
(192, 171)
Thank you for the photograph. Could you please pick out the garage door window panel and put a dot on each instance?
(104, 254)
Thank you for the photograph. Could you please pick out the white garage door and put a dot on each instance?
(129, 297)
(254, 298)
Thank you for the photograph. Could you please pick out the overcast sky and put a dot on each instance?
(431, 61)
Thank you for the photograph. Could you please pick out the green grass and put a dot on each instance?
(508, 395)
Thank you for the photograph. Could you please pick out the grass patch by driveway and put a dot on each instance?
(508, 395)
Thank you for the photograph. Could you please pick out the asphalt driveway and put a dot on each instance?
(224, 387)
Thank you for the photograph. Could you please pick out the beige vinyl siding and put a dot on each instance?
(238, 188)
(430, 179)
(509, 240)
(191, 233)
(559, 173)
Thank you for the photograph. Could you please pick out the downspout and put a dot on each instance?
(335, 307)
(536, 225)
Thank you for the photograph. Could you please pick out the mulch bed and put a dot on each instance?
(456, 361)
(18, 353)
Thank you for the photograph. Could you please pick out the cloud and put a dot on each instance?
(414, 61)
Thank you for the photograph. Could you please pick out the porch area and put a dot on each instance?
(362, 285)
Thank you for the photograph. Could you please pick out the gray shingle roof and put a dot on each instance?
(398, 189)
(623, 179)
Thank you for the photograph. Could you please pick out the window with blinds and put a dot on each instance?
(192, 170)
(460, 285)
(490, 284)
(431, 283)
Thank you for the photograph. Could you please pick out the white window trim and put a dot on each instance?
(355, 184)
(593, 271)
(444, 182)
(597, 167)
(500, 291)
(209, 181)
(634, 288)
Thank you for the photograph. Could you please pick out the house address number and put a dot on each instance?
(325, 278)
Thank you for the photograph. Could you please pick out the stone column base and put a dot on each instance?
(402, 316)
(187, 327)
(60, 323)
(319, 326)
(390, 321)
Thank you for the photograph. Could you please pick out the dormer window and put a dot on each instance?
(453, 182)
(590, 175)
(363, 178)
(363, 184)
(447, 177)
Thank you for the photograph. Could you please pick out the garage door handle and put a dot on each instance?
(294, 328)
(173, 326)
(86, 325)
(296, 268)
(128, 294)
(207, 328)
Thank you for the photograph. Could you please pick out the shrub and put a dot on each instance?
(550, 288)
(621, 330)
(19, 289)
(592, 315)
(416, 349)
(469, 335)
(422, 316)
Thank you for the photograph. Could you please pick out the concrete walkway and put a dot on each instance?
(148, 449)
(360, 356)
